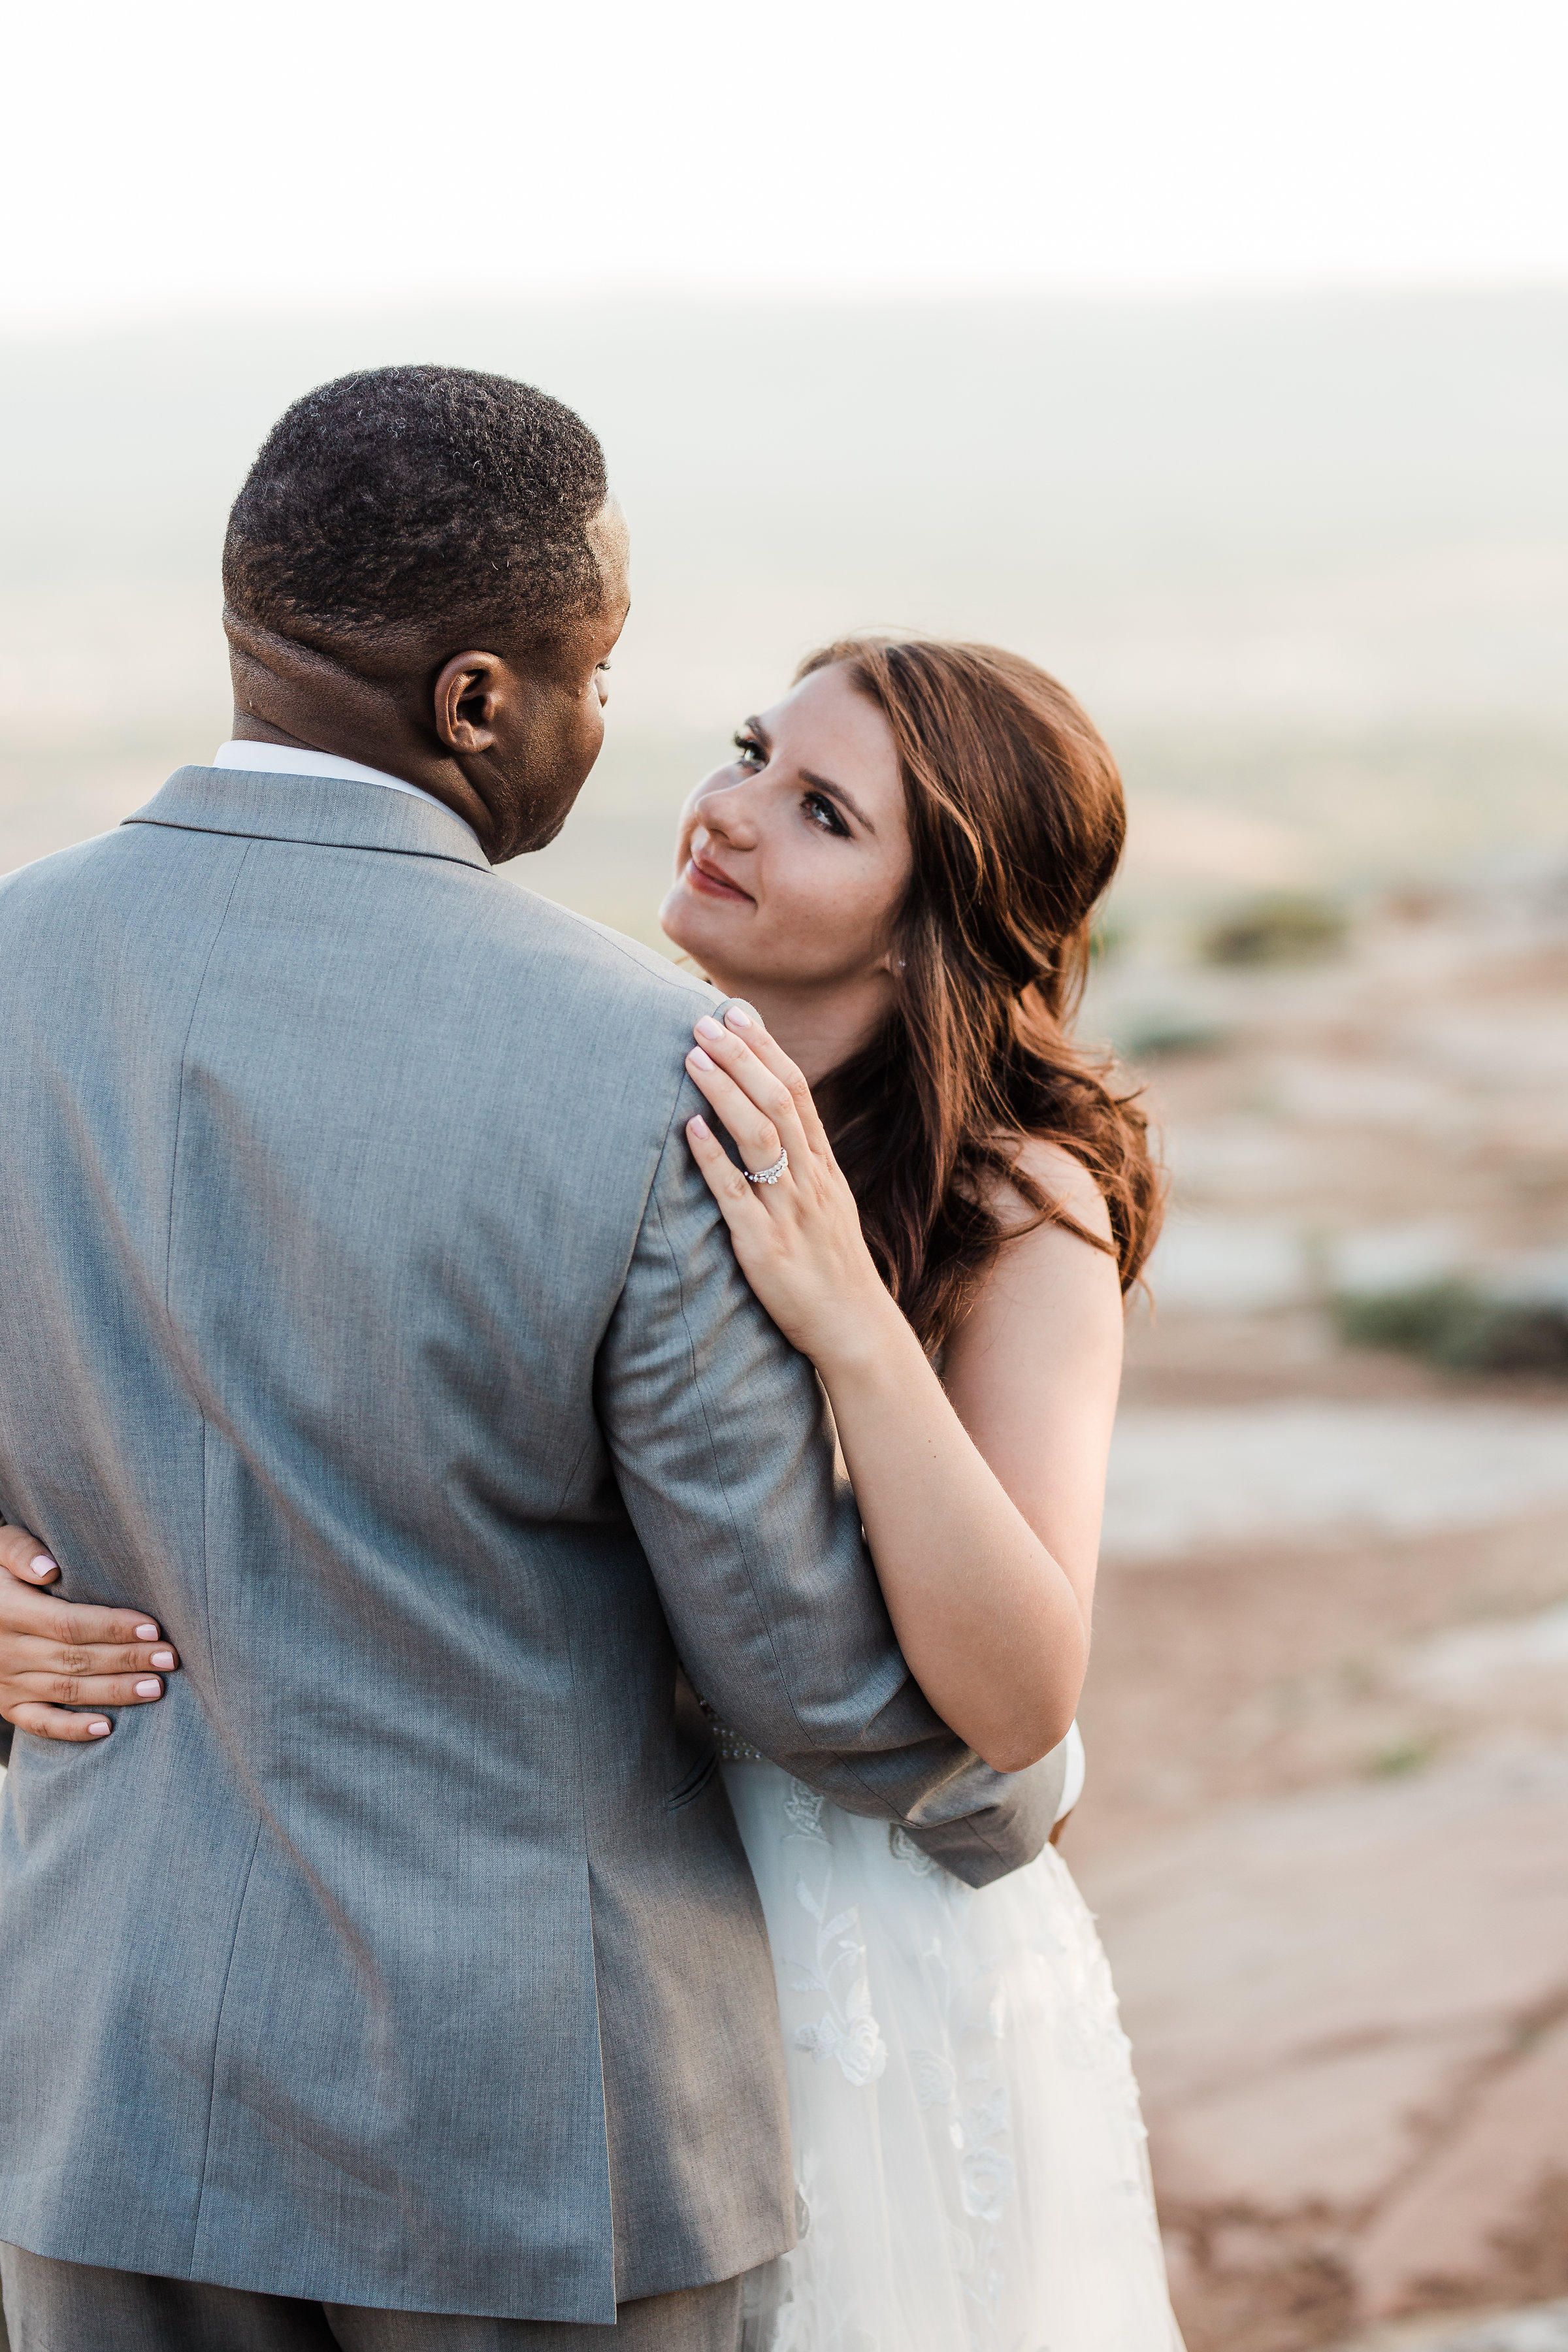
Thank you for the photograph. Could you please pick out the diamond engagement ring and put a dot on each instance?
(768, 1175)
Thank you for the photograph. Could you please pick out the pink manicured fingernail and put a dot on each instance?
(146, 1632)
(709, 1027)
(697, 1127)
(148, 1690)
(42, 1565)
(162, 1658)
(737, 1019)
(698, 1060)
(99, 1730)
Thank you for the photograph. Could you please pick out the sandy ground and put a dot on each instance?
(1326, 1828)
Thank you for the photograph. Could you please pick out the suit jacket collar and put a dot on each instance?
(332, 811)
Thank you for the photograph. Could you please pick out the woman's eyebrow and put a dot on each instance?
(837, 793)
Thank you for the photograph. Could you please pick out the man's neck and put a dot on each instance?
(249, 729)
(286, 692)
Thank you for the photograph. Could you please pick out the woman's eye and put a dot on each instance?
(750, 751)
(822, 812)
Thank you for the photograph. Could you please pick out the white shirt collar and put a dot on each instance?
(283, 759)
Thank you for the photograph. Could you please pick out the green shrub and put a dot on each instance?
(1283, 929)
(1460, 1327)
(1402, 1756)
(1150, 1036)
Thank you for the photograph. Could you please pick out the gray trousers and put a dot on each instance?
(69, 2307)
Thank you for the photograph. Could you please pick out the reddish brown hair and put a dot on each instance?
(1016, 822)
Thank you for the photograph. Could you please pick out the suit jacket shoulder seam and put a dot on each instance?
(302, 841)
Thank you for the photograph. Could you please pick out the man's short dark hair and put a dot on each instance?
(418, 494)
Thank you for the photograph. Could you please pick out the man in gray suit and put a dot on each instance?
(399, 1980)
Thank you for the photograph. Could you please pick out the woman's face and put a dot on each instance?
(791, 861)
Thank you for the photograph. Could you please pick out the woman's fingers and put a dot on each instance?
(748, 1023)
(758, 1139)
(58, 1657)
(49, 1687)
(76, 1625)
(82, 1624)
(726, 1181)
(756, 1106)
(24, 1658)
(23, 1557)
(41, 1682)
(55, 1723)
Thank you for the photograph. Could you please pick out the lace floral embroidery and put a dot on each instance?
(945, 2051)
(902, 1848)
(933, 2078)
(803, 1812)
(847, 2030)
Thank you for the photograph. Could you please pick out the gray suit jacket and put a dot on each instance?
(363, 1316)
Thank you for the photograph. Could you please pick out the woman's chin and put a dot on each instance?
(676, 921)
(700, 926)
(697, 941)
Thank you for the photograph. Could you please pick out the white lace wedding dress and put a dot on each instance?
(971, 2172)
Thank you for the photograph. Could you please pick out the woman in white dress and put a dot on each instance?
(898, 873)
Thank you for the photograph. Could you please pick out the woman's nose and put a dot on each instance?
(726, 814)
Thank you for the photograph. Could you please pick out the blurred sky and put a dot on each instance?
(177, 154)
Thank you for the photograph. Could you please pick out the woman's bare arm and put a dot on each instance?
(1033, 1369)
(981, 1503)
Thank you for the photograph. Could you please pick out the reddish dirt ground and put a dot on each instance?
(1327, 1816)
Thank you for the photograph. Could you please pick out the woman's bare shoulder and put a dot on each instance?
(1065, 1182)
(1035, 1362)
(1046, 1285)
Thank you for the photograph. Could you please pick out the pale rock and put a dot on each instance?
(1441, 2230)
(1390, 1937)
(1292, 2122)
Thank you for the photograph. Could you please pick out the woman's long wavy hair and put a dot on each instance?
(1016, 822)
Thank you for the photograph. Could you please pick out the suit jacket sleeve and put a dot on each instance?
(7, 1731)
(723, 1451)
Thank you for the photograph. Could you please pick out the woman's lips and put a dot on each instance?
(709, 883)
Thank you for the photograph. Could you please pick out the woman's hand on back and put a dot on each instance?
(796, 1236)
(62, 1660)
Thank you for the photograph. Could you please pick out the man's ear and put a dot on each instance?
(468, 700)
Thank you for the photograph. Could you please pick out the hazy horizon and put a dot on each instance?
(1304, 557)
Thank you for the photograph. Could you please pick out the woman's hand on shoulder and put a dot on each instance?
(797, 1232)
(61, 1661)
